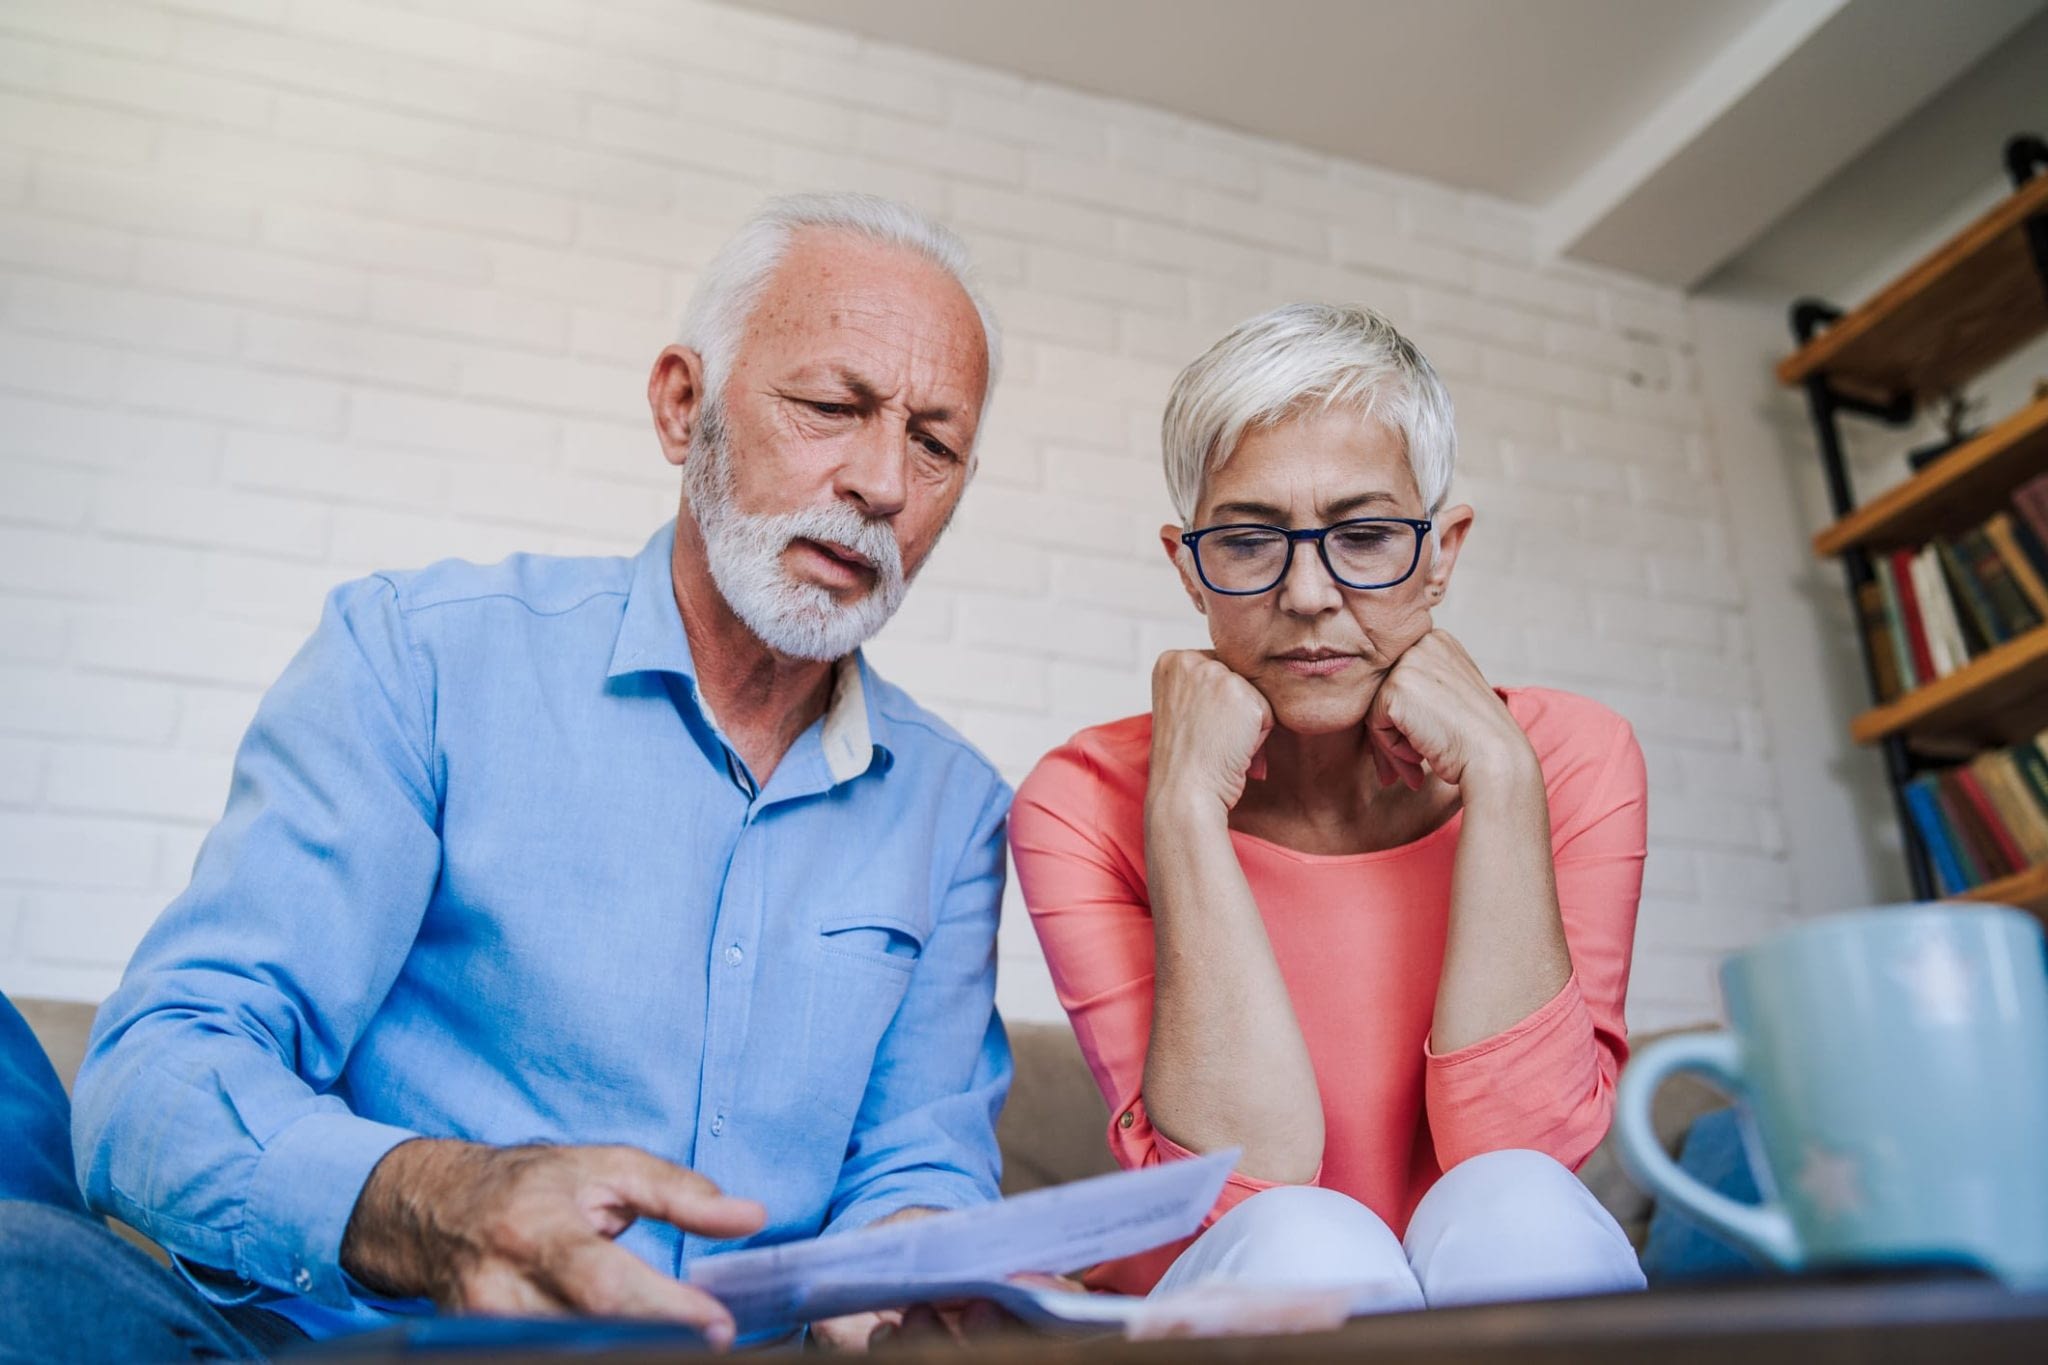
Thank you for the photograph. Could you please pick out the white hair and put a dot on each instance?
(732, 284)
(1306, 356)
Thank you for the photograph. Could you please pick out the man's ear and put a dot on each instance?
(675, 392)
(1452, 524)
(1183, 561)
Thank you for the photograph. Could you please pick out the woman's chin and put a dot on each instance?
(1316, 711)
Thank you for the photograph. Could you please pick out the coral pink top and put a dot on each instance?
(1360, 941)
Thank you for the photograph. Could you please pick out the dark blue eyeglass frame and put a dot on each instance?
(1193, 540)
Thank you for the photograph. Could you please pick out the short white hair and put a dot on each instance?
(1300, 358)
(732, 284)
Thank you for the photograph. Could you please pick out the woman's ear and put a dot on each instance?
(1452, 524)
(675, 390)
(1183, 561)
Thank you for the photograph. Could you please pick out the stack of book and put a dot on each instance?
(1987, 818)
(1927, 612)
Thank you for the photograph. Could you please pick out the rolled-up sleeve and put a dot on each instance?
(203, 1115)
(1547, 1082)
(925, 1136)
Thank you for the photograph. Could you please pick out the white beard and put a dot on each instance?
(791, 617)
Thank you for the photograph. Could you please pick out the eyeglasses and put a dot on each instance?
(1243, 559)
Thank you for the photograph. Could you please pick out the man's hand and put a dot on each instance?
(528, 1231)
(1436, 707)
(1208, 724)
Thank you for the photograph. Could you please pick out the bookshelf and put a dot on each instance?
(1969, 304)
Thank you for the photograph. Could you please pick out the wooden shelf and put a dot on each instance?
(1955, 314)
(1999, 697)
(2027, 889)
(1953, 494)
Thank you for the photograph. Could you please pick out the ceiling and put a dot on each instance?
(1661, 137)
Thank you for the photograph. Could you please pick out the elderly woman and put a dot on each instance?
(1339, 901)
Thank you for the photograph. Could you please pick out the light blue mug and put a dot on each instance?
(1891, 1071)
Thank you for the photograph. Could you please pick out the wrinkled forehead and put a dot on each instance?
(843, 301)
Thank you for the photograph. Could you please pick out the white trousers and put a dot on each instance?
(1505, 1225)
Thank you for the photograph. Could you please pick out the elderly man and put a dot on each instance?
(555, 897)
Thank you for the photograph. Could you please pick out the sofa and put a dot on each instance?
(1052, 1131)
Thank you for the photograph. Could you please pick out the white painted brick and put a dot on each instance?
(390, 29)
(1657, 314)
(579, 278)
(1545, 378)
(206, 517)
(152, 87)
(1200, 251)
(1096, 474)
(935, 147)
(212, 720)
(367, 540)
(601, 390)
(1388, 253)
(1014, 118)
(1098, 693)
(14, 168)
(31, 631)
(52, 245)
(629, 340)
(1169, 151)
(21, 773)
(36, 848)
(856, 79)
(98, 928)
(1063, 631)
(383, 245)
(1073, 322)
(732, 151)
(556, 503)
(1143, 586)
(1116, 282)
(322, 176)
(41, 495)
(1470, 223)
(265, 589)
(254, 276)
(56, 369)
(1566, 471)
(140, 199)
(144, 30)
(72, 706)
(409, 139)
(1035, 216)
(164, 447)
(151, 783)
(349, 351)
(549, 60)
(470, 427)
(1353, 207)
(618, 450)
(492, 210)
(68, 128)
(1430, 307)
(469, 311)
(1545, 292)
(949, 671)
(129, 317)
(987, 562)
(784, 117)
(244, 653)
(234, 392)
(794, 167)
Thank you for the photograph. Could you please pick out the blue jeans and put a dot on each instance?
(70, 1289)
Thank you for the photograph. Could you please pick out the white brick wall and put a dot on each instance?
(295, 289)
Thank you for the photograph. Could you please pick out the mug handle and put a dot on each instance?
(1764, 1229)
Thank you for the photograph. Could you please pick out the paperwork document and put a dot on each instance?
(971, 1253)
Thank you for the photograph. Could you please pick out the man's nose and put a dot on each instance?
(1307, 589)
(871, 476)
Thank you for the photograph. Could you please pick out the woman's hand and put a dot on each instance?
(1207, 727)
(1435, 707)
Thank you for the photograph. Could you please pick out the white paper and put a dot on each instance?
(968, 1252)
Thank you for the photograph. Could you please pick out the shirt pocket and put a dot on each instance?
(864, 965)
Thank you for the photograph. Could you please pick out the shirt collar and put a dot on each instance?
(652, 640)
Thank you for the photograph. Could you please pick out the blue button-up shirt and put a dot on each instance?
(489, 870)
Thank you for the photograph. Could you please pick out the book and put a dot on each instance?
(2033, 770)
(1895, 625)
(1998, 771)
(2032, 548)
(1966, 597)
(2030, 500)
(1935, 836)
(1964, 837)
(2000, 843)
(1877, 638)
(2016, 615)
(1900, 565)
(1938, 614)
(1999, 531)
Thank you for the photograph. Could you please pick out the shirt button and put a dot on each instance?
(1127, 1118)
(717, 1125)
(733, 956)
(303, 1278)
